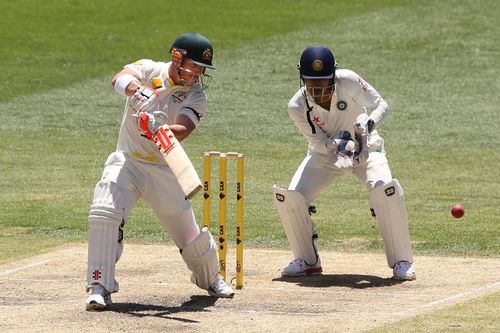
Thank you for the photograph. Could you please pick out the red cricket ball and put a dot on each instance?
(457, 211)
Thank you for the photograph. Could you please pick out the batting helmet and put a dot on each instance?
(195, 47)
(317, 62)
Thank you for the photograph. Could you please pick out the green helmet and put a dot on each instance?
(195, 47)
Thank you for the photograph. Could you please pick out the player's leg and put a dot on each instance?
(197, 247)
(112, 201)
(388, 202)
(312, 177)
(300, 232)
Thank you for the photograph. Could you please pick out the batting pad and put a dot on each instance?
(297, 222)
(104, 250)
(388, 202)
(200, 257)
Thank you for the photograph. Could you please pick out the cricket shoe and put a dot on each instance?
(220, 289)
(99, 299)
(404, 271)
(299, 267)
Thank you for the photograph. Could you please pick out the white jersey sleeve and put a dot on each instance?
(147, 70)
(363, 94)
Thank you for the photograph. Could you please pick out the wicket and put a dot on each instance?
(222, 233)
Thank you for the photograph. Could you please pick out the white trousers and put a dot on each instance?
(317, 172)
(128, 179)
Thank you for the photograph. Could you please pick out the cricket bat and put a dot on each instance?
(178, 161)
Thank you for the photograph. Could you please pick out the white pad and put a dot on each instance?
(298, 225)
(200, 257)
(104, 249)
(389, 204)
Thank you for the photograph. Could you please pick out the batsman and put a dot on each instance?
(338, 113)
(165, 102)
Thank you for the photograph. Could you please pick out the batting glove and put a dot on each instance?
(143, 99)
(149, 123)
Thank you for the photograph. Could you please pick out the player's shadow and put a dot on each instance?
(354, 281)
(195, 304)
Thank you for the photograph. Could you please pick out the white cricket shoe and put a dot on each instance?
(404, 271)
(99, 299)
(220, 288)
(298, 267)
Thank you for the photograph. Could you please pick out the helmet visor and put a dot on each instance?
(189, 78)
(319, 93)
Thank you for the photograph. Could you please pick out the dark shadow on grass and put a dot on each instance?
(195, 304)
(353, 281)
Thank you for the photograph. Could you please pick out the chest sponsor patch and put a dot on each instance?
(341, 105)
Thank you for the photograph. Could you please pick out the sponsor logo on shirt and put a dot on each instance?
(363, 84)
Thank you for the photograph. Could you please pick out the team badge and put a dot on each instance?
(341, 105)
(317, 65)
(207, 55)
(157, 82)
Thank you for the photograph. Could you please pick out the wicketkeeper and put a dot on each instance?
(159, 96)
(338, 113)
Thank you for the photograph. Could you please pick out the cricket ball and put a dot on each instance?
(457, 211)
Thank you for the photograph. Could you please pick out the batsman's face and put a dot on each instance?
(190, 73)
(321, 90)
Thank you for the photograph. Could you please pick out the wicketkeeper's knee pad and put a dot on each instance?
(105, 245)
(388, 201)
(201, 258)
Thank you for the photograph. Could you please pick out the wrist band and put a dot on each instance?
(122, 83)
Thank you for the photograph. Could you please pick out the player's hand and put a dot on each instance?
(343, 145)
(345, 154)
(363, 124)
(143, 99)
(148, 123)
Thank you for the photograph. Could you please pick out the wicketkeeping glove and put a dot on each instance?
(364, 124)
(362, 128)
(344, 146)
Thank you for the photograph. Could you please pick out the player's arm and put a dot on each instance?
(183, 127)
(367, 96)
(126, 82)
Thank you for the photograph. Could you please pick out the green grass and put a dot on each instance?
(436, 62)
(47, 44)
(478, 315)
(439, 76)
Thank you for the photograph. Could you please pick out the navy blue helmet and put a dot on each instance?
(317, 62)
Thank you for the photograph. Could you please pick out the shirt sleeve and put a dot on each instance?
(367, 96)
(146, 69)
(195, 108)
